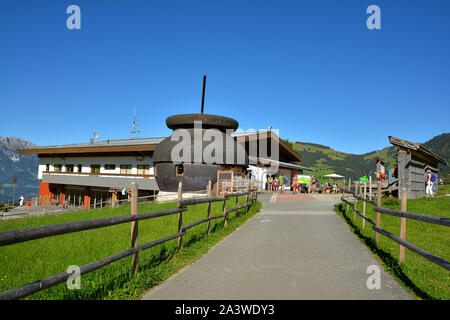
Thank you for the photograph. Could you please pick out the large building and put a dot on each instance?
(98, 171)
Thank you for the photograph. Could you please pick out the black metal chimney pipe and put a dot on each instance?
(203, 94)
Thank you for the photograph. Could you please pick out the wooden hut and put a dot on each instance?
(413, 160)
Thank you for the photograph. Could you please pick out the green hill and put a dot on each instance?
(324, 160)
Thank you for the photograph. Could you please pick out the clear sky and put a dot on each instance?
(311, 69)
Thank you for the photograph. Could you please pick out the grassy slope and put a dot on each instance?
(421, 277)
(324, 160)
(27, 262)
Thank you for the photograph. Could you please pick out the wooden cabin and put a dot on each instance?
(413, 160)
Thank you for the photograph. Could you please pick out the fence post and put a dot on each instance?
(378, 222)
(209, 194)
(236, 209)
(364, 206)
(224, 211)
(356, 201)
(247, 190)
(180, 215)
(370, 188)
(348, 199)
(134, 228)
(403, 225)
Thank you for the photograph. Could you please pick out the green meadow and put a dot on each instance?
(30, 261)
(421, 277)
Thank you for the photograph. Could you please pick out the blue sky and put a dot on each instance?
(312, 69)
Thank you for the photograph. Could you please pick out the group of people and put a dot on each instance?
(274, 183)
(332, 187)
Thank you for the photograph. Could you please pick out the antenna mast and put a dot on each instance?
(135, 129)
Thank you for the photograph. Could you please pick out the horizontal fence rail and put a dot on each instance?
(27, 234)
(33, 233)
(441, 262)
(46, 283)
(403, 214)
(193, 224)
(414, 216)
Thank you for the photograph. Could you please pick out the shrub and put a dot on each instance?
(391, 201)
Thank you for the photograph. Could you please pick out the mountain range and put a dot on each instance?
(23, 166)
(322, 159)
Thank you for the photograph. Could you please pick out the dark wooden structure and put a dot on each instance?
(413, 160)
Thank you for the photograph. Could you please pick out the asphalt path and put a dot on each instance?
(291, 250)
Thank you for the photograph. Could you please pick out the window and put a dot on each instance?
(47, 167)
(57, 167)
(95, 168)
(179, 170)
(143, 169)
(69, 167)
(125, 169)
(80, 167)
(110, 167)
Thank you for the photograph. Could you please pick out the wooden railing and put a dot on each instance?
(403, 214)
(28, 234)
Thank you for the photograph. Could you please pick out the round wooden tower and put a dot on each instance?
(196, 169)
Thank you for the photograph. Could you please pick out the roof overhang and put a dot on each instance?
(285, 165)
(131, 145)
(249, 136)
(416, 147)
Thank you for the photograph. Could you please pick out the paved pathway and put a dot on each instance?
(290, 250)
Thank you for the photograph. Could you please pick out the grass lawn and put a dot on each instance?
(30, 261)
(445, 189)
(419, 276)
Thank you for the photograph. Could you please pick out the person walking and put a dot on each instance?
(429, 184)
(295, 184)
(281, 182)
(270, 183)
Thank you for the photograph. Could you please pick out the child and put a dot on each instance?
(275, 184)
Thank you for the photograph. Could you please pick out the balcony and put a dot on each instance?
(106, 180)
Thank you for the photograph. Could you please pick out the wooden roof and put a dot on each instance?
(416, 147)
(143, 144)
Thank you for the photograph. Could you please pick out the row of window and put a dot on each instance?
(142, 169)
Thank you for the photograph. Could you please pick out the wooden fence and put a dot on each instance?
(403, 214)
(371, 187)
(28, 234)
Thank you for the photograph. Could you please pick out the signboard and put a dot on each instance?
(304, 179)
